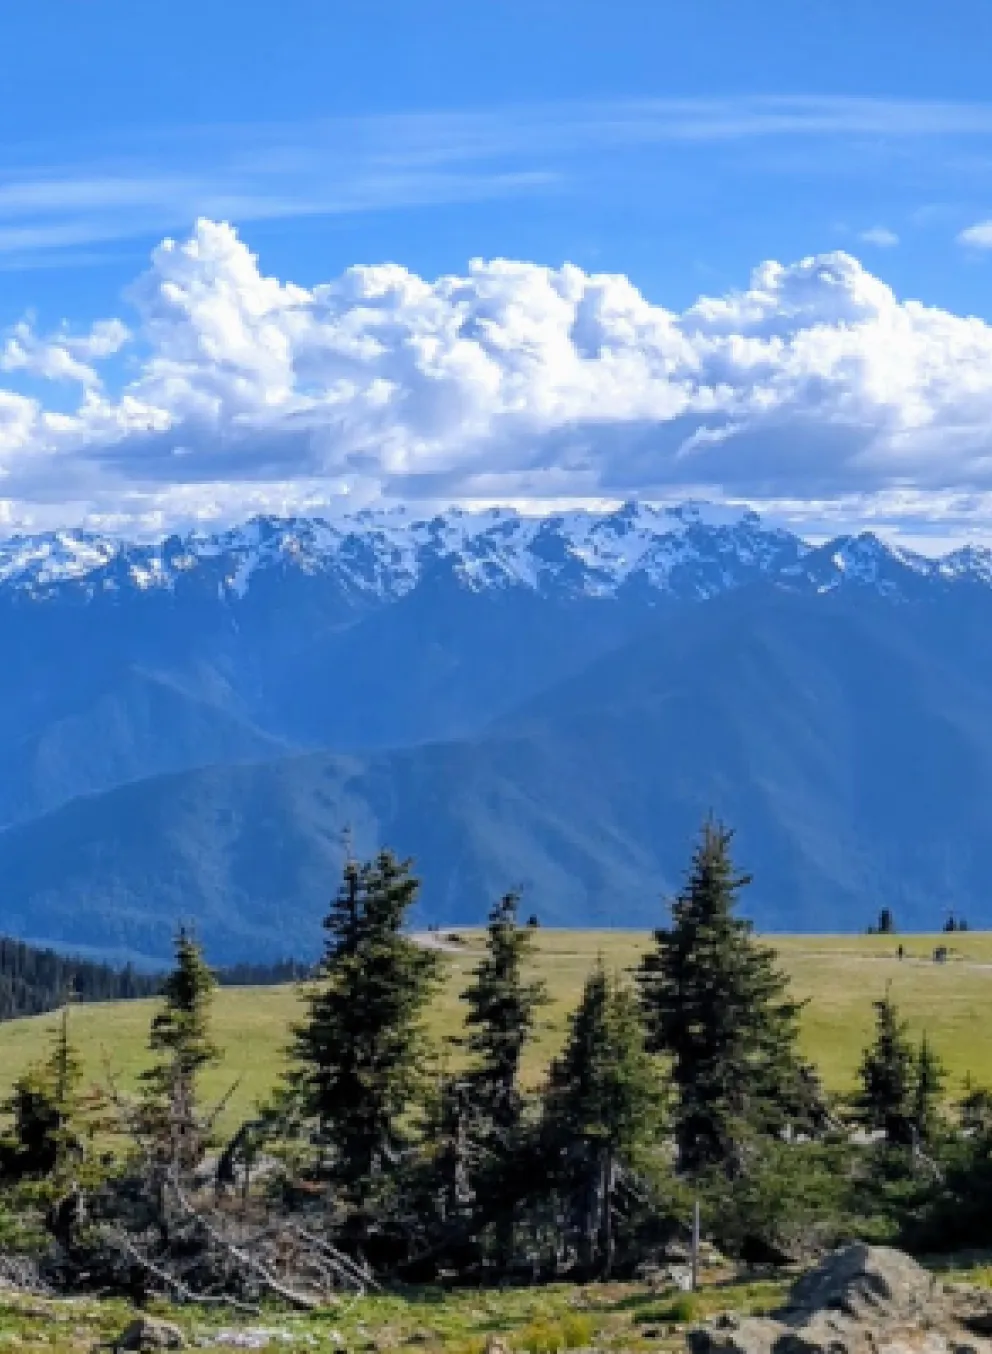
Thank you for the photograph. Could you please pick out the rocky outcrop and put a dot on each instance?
(860, 1300)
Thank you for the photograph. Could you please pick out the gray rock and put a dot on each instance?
(147, 1333)
(865, 1281)
(858, 1300)
(751, 1335)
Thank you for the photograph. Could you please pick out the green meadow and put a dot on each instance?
(838, 976)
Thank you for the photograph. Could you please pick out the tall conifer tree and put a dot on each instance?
(604, 1105)
(928, 1086)
(887, 1073)
(180, 1036)
(716, 1003)
(358, 1052)
(502, 1005)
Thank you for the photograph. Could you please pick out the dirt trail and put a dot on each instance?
(431, 940)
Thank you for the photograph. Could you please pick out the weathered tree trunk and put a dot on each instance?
(591, 1214)
(606, 1188)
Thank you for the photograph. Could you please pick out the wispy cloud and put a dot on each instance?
(147, 183)
(978, 236)
(880, 236)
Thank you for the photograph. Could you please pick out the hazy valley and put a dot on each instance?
(188, 729)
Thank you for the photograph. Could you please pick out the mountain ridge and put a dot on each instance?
(549, 702)
(693, 549)
(850, 745)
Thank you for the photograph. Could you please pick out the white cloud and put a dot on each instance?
(63, 356)
(880, 236)
(978, 236)
(815, 384)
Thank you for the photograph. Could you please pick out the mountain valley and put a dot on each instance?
(188, 729)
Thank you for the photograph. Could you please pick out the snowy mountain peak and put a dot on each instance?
(698, 513)
(972, 562)
(691, 550)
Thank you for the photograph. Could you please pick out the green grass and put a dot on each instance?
(608, 1316)
(840, 976)
(613, 1317)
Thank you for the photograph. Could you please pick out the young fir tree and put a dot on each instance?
(180, 1036)
(604, 1106)
(46, 1109)
(888, 1073)
(715, 1002)
(928, 1086)
(501, 1009)
(359, 1052)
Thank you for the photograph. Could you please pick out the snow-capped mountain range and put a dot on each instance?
(695, 550)
(187, 726)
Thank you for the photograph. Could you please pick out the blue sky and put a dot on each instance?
(680, 146)
(127, 120)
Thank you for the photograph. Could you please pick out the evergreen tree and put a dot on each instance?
(180, 1036)
(501, 1011)
(46, 1107)
(928, 1086)
(887, 1073)
(715, 1002)
(33, 981)
(448, 1129)
(359, 1051)
(65, 1075)
(604, 1106)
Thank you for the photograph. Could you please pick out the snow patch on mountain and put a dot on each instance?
(693, 550)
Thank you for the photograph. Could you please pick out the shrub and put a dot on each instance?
(551, 1337)
(681, 1310)
(578, 1330)
(791, 1201)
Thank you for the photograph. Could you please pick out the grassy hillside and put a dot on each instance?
(840, 976)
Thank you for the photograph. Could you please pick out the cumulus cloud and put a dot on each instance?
(62, 356)
(815, 383)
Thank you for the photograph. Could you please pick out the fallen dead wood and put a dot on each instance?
(242, 1257)
(178, 1287)
(359, 1276)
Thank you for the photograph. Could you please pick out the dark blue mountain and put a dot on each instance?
(846, 733)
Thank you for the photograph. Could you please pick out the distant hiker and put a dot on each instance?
(900, 952)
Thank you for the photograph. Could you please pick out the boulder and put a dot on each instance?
(859, 1300)
(148, 1333)
(866, 1282)
(745, 1335)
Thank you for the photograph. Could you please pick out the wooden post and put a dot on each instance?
(694, 1261)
